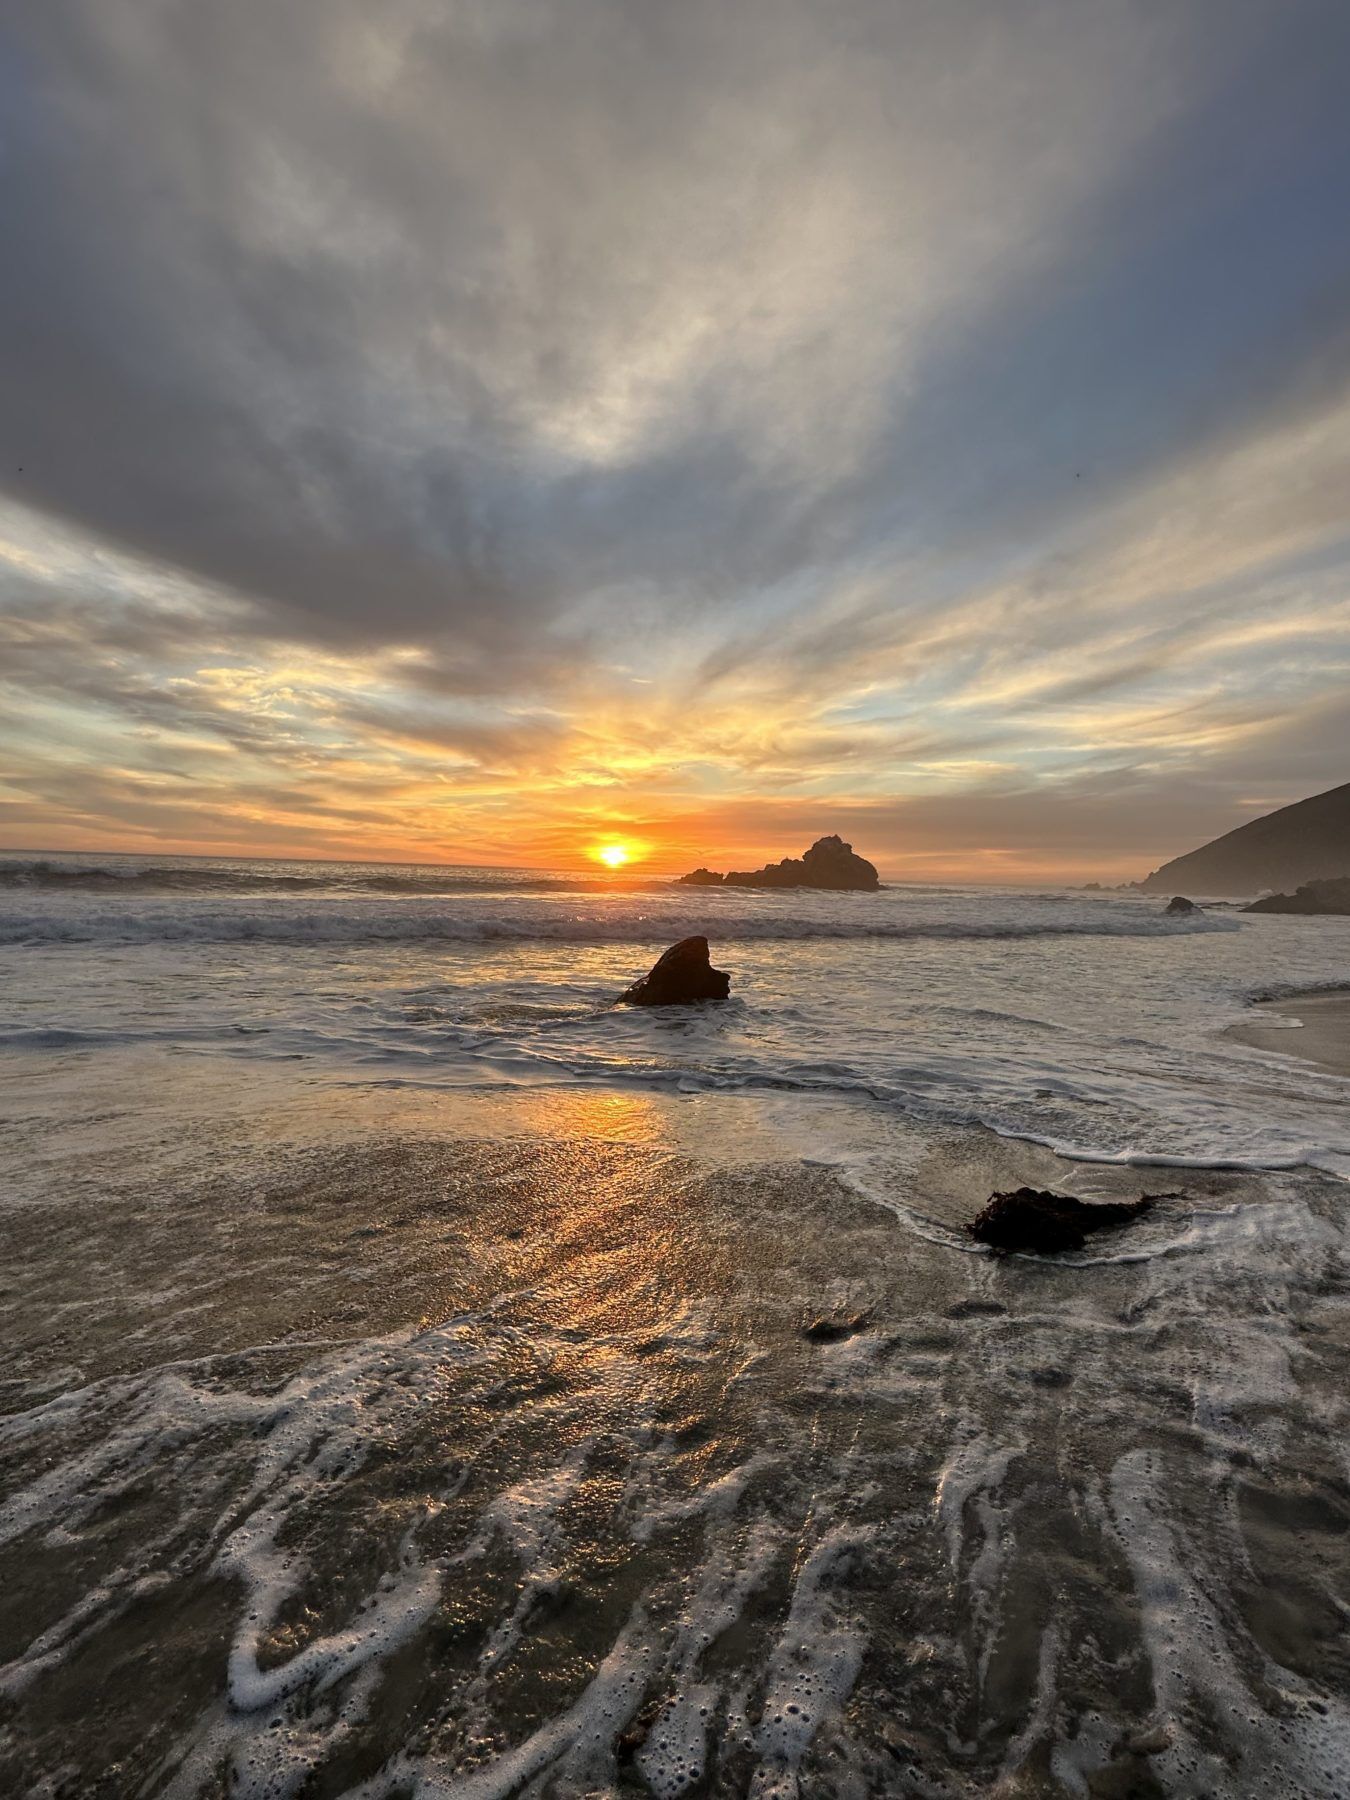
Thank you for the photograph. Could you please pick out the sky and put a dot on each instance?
(481, 430)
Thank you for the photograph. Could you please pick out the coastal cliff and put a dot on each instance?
(1308, 841)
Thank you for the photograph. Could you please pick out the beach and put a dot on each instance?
(1313, 1026)
(424, 1381)
(675, 901)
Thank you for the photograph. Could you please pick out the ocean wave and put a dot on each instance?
(1276, 991)
(125, 880)
(337, 924)
(929, 1098)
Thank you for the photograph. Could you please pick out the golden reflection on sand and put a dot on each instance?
(584, 1224)
(570, 1113)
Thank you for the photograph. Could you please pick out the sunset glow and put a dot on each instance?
(740, 485)
(651, 656)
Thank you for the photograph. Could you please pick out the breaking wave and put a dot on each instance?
(350, 923)
(130, 877)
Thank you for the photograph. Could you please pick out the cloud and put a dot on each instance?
(464, 404)
(433, 320)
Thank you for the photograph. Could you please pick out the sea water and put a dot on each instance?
(1094, 1024)
(408, 1387)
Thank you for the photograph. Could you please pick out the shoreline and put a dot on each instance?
(607, 1419)
(1321, 1035)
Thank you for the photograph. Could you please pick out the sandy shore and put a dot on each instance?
(1321, 1037)
(487, 1440)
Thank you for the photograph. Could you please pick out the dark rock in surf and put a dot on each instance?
(682, 975)
(1179, 905)
(1034, 1219)
(702, 878)
(631, 1739)
(833, 1328)
(1330, 898)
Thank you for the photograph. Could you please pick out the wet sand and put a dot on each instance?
(1322, 1035)
(385, 1445)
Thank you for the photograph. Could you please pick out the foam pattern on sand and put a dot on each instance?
(622, 1525)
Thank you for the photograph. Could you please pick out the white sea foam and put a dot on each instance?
(977, 1466)
(1303, 1752)
(574, 1745)
(616, 920)
(813, 1667)
(1093, 1026)
(314, 1428)
(717, 1499)
(672, 1757)
(752, 1603)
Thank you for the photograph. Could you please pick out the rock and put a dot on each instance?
(829, 863)
(1151, 1742)
(833, 1328)
(1178, 905)
(634, 1736)
(682, 974)
(1327, 897)
(1033, 1219)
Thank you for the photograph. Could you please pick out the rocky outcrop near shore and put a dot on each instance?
(1331, 898)
(830, 863)
(681, 975)
(1036, 1220)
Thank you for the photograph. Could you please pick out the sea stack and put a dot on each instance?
(829, 863)
(682, 975)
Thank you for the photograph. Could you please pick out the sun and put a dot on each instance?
(613, 856)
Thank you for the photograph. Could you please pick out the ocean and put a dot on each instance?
(411, 1385)
(1092, 1024)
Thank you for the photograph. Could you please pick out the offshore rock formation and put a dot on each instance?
(829, 863)
(681, 975)
(1329, 897)
(1179, 905)
(1306, 842)
(1033, 1219)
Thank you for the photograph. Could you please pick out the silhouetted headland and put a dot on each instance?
(1306, 842)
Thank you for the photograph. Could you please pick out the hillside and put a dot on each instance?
(1308, 841)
